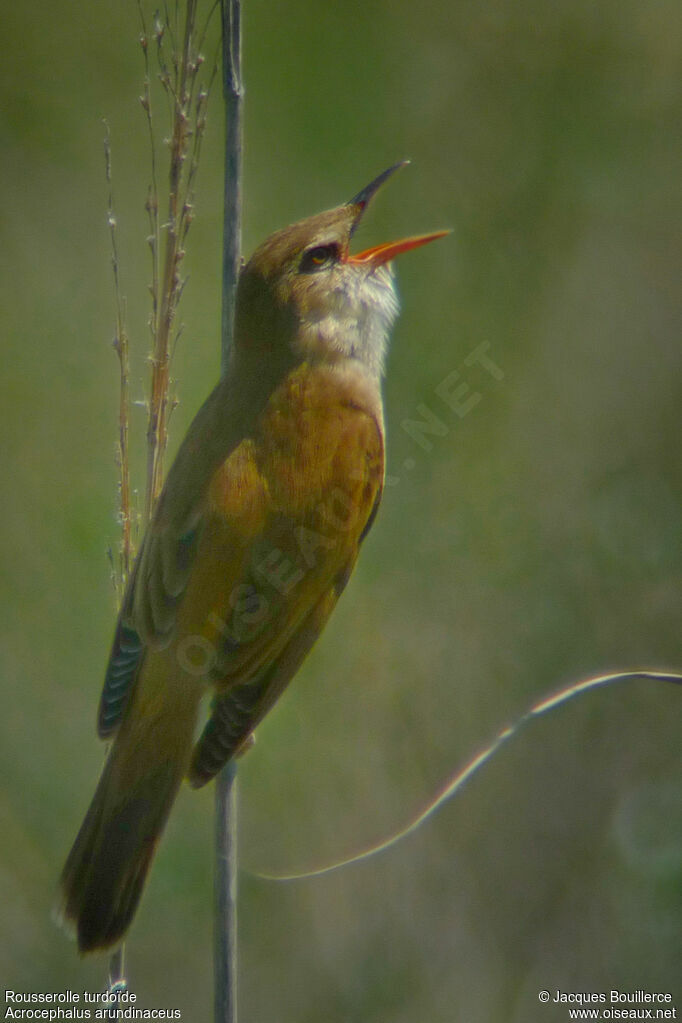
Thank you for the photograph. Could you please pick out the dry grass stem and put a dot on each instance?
(179, 74)
(122, 562)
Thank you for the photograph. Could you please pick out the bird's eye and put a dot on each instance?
(318, 258)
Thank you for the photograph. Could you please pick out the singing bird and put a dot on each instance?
(252, 541)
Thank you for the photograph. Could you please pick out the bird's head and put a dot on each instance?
(305, 294)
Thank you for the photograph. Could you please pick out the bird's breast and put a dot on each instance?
(287, 510)
(320, 434)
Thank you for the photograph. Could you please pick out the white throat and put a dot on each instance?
(353, 317)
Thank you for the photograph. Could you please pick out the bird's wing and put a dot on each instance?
(126, 656)
(164, 562)
(229, 573)
(235, 713)
(319, 466)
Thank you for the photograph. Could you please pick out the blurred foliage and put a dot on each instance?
(536, 542)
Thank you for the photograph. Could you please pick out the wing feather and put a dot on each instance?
(125, 660)
(249, 552)
(164, 562)
(236, 712)
(294, 570)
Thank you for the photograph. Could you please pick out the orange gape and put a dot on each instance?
(252, 541)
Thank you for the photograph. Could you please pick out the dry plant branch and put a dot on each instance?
(121, 564)
(187, 99)
(126, 550)
(179, 77)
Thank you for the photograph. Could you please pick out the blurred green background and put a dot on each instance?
(537, 542)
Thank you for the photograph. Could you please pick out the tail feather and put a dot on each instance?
(105, 871)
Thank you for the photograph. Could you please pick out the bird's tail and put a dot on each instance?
(106, 869)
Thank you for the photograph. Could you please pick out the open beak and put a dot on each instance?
(366, 194)
(380, 254)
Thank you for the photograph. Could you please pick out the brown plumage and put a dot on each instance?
(253, 540)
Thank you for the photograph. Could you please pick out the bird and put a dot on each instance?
(252, 541)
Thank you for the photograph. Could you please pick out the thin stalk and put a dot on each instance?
(225, 884)
(117, 978)
(126, 551)
(121, 565)
(178, 77)
(225, 896)
(178, 82)
(232, 226)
